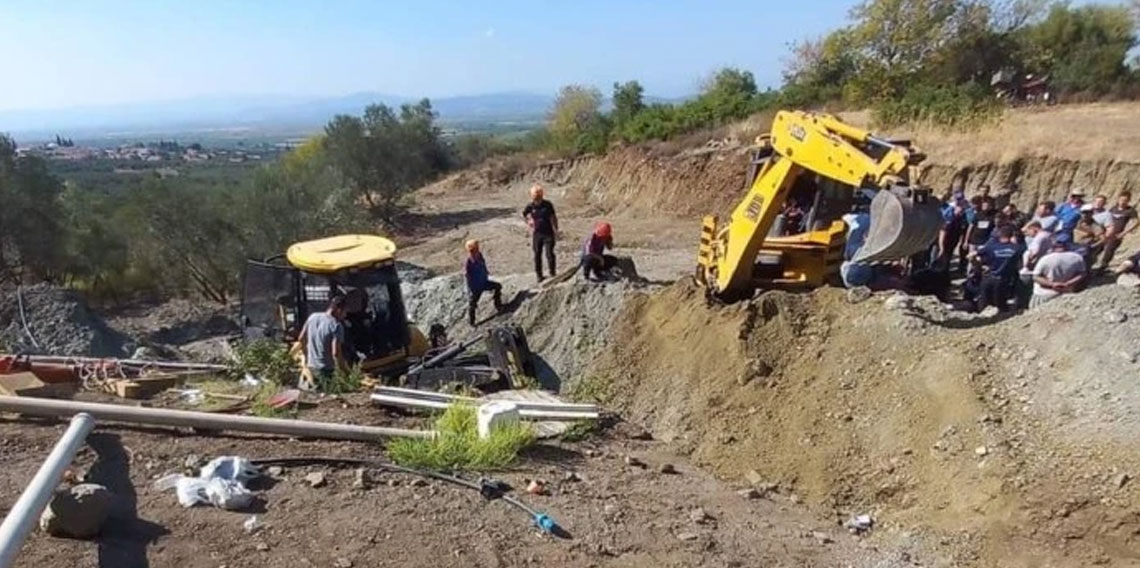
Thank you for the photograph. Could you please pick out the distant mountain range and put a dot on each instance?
(262, 112)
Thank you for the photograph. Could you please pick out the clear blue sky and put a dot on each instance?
(85, 52)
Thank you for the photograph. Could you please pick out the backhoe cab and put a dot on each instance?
(279, 294)
(825, 166)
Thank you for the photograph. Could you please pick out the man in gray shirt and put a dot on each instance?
(323, 340)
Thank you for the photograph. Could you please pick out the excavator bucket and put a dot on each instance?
(904, 221)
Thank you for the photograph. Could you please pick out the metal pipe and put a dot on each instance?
(128, 362)
(23, 515)
(206, 420)
(449, 353)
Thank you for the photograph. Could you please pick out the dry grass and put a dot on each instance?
(1084, 132)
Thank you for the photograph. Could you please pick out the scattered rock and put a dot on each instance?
(536, 487)
(981, 451)
(667, 468)
(1122, 480)
(342, 562)
(419, 482)
(749, 493)
(634, 462)
(78, 512)
(699, 516)
(898, 302)
(192, 462)
(795, 499)
(361, 479)
(1113, 316)
(860, 524)
(688, 536)
(571, 477)
(858, 294)
(262, 547)
(822, 537)
(275, 471)
(754, 477)
(316, 479)
(393, 482)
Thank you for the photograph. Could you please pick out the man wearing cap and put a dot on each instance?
(1059, 272)
(543, 223)
(479, 281)
(1088, 235)
(1070, 211)
(1123, 221)
(1038, 243)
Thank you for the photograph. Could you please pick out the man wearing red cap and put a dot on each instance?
(594, 258)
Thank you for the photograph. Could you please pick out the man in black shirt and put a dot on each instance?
(543, 223)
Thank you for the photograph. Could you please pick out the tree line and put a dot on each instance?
(906, 60)
(172, 236)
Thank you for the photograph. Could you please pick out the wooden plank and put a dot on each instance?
(28, 384)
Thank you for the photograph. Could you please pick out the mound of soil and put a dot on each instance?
(59, 323)
(898, 407)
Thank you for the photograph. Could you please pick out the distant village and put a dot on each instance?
(157, 153)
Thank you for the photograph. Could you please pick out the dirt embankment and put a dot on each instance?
(1004, 445)
(1038, 154)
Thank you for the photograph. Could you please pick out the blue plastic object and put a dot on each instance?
(544, 522)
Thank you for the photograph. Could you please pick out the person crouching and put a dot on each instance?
(594, 259)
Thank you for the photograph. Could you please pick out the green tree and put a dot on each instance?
(31, 236)
(384, 155)
(575, 120)
(1084, 48)
(627, 99)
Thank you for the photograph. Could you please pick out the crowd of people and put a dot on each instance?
(1012, 259)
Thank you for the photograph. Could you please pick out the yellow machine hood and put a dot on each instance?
(341, 252)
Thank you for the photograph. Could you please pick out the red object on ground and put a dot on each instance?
(46, 372)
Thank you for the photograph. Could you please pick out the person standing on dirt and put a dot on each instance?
(479, 281)
(1122, 222)
(1045, 216)
(983, 225)
(1070, 212)
(543, 223)
(322, 337)
(999, 261)
(1088, 235)
(594, 259)
(952, 235)
(1059, 272)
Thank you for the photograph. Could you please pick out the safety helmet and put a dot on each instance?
(536, 191)
(471, 245)
(603, 229)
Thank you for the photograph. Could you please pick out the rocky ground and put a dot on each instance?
(970, 440)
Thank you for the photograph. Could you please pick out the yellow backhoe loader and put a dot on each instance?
(279, 293)
(825, 165)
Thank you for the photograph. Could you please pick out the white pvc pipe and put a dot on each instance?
(205, 420)
(24, 514)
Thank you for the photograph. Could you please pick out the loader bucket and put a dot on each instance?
(904, 221)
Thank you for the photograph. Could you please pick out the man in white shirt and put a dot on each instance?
(1059, 272)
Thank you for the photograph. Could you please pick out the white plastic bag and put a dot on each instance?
(220, 483)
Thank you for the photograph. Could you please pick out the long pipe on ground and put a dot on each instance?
(127, 362)
(206, 420)
(23, 515)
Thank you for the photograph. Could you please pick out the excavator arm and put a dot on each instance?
(903, 220)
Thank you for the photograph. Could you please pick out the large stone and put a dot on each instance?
(78, 512)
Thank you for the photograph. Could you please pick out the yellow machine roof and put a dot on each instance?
(338, 253)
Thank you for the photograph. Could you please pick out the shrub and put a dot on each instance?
(968, 105)
(265, 359)
(458, 446)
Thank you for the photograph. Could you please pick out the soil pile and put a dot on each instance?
(60, 323)
(898, 407)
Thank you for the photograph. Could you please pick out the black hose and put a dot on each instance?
(383, 465)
